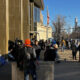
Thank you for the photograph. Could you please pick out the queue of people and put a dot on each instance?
(27, 54)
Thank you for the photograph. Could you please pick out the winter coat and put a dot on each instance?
(50, 54)
(37, 49)
(79, 47)
(74, 48)
(29, 63)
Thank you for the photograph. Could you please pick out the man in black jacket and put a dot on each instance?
(79, 52)
(37, 49)
(74, 50)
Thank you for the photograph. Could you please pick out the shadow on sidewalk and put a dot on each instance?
(5, 72)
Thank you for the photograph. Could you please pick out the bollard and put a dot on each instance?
(16, 73)
(45, 70)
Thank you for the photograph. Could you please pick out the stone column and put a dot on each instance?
(26, 19)
(32, 16)
(15, 26)
(7, 24)
(22, 19)
(12, 20)
(3, 35)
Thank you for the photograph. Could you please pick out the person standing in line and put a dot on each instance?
(37, 49)
(29, 61)
(74, 50)
(49, 54)
(63, 44)
(56, 52)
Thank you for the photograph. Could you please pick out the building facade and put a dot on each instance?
(42, 32)
(16, 20)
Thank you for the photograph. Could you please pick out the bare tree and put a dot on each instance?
(58, 24)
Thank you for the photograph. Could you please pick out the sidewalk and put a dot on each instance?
(67, 55)
(5, 72)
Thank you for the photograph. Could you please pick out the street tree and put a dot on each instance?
(58, 25)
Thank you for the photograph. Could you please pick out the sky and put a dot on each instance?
(68, 8)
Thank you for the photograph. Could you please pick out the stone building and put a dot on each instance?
(41, 30)
(16, 20)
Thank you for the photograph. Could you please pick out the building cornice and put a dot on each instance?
(39, 3)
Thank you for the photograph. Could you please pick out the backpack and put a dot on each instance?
(27, 54)
(29, 58)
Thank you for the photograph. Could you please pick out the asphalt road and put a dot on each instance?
(67, 71)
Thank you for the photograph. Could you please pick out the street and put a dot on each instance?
(69, 70)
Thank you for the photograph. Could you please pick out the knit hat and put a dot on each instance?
(28, 43)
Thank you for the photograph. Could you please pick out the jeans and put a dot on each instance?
(57, 55)
(63, 47)
(28, 72)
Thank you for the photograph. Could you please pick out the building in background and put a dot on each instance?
(17, 20)
(36, 7)
(41, 30)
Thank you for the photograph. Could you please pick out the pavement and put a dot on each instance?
(5, 72)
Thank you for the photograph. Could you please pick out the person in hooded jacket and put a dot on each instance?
(29, 61)
(50, 54)
(37, 49)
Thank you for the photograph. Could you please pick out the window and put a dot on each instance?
(36, 14)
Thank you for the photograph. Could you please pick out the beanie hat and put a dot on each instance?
(28, 42)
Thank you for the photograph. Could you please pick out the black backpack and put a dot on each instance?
(29, 58)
